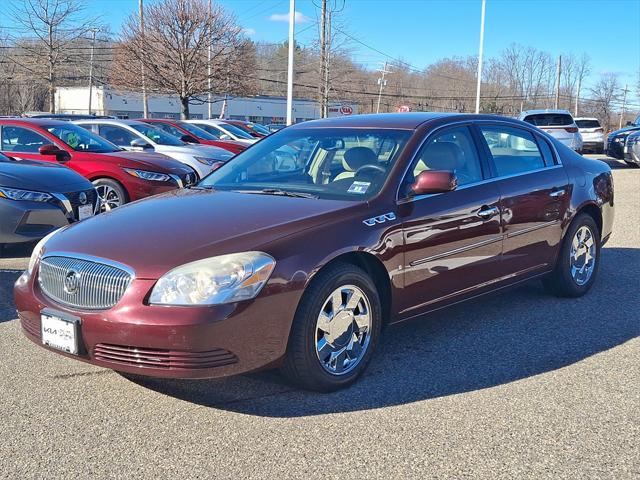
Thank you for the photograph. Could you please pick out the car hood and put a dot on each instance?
(207, 151)
(145, 161)
(154, 235)
(615, 133)
(41, 176)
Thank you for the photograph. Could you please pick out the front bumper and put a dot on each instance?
(615, 150)
(172, 342)
(22, 221)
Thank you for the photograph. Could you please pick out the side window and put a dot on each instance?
(170, 129)
(20, 139)
(546, 151)
(210, 128)
(514, 150)
(118, 135)
(452, 150)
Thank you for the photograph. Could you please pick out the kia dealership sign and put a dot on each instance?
(342, 110)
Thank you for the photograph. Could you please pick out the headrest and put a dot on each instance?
(442, 156)
(356, 157)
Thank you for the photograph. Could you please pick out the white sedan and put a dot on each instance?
(140, 136)
(224, 131)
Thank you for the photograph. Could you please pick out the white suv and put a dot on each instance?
(557, 123)
(592, 134)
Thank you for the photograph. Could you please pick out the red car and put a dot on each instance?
(254, 129)
(189, 132)
(295, 253)
(118, 175)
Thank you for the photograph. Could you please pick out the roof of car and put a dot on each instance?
(108, 121)
(542, 111)
(34, 121)
(406, 121)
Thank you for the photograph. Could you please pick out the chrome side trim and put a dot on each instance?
(531, 229)
(455, 251)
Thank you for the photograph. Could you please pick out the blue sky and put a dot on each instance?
(422, 31)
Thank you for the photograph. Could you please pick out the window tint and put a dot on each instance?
(118, 135)
(170, 129)
(214, 131)
(549, 119)
(452, 150)
(80, 139)
(20, 139)
(588, 123)
(513, 150)
(549, 159)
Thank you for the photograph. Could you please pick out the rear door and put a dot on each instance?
(535, 194)
(452, 240)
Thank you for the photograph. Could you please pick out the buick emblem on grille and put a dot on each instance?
(83, 198)
(71, 282)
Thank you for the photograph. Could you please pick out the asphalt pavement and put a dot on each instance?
(514, 385)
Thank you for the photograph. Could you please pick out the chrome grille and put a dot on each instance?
(84, 284)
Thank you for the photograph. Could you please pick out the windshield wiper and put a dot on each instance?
(277, 191)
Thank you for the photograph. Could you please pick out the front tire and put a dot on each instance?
(578, 260)
(335, 330)
(112, 193)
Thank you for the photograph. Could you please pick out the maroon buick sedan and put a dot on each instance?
(298, 251)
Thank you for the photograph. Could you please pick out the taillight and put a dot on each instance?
(572, 129)
(600, 130)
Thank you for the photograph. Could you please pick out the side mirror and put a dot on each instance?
(189, 139)
(51, 149)
(434, 181)
(141, 144)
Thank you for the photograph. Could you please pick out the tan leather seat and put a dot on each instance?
(353, 159)
(439, 156)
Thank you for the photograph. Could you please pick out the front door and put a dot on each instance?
(453, 240)
(22, 143)
(535, 193)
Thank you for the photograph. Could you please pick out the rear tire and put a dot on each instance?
(335, 330)
(112, 192)
(578, 260)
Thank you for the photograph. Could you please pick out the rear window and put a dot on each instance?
(549, 119)
(588, 123)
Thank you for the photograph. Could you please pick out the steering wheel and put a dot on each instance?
(377, 168)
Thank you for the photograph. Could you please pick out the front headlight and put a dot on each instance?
(214, 281)
(37, 250)
(26, 195)
(146, 175)
(206, 161)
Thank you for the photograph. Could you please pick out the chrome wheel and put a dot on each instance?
(111, 198)
(582, 255)
(343, 330)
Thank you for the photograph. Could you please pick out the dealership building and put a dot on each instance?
(121, 104)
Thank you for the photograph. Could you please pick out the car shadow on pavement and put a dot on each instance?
(483, 343)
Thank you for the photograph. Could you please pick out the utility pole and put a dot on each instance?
(323, 55)
(575, 110)
(93, 45)
(484, 4)
(145, 104)
(624, 104)
(209, 99)
(292, 24)
(382, 82)
(327, 55)
(558, 73)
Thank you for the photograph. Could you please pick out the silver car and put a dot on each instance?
(135, 135)
(557, 123)
(632, 149)
(592, 134)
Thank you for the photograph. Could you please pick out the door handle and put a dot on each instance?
(486, 213)
(557, 192)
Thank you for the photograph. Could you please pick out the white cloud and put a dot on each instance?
(248, 31)
(284, 17)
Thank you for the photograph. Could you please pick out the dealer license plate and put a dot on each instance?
(85, 211)
(60, 333)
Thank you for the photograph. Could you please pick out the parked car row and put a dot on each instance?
(621, 144)
(116, 161)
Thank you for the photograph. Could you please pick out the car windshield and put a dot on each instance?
(238, 132)
(80, 139)
(157, 136)
(328, 163)
(588, 123)
(197, 131)
(549, 119)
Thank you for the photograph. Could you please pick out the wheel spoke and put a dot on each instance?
(324, 321)
(336, 301)
(353, 301)
(337, 360)
(324, 349)
(362, 322)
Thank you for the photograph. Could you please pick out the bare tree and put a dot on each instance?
(173, 51)
(605, 93)
(51, 26)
